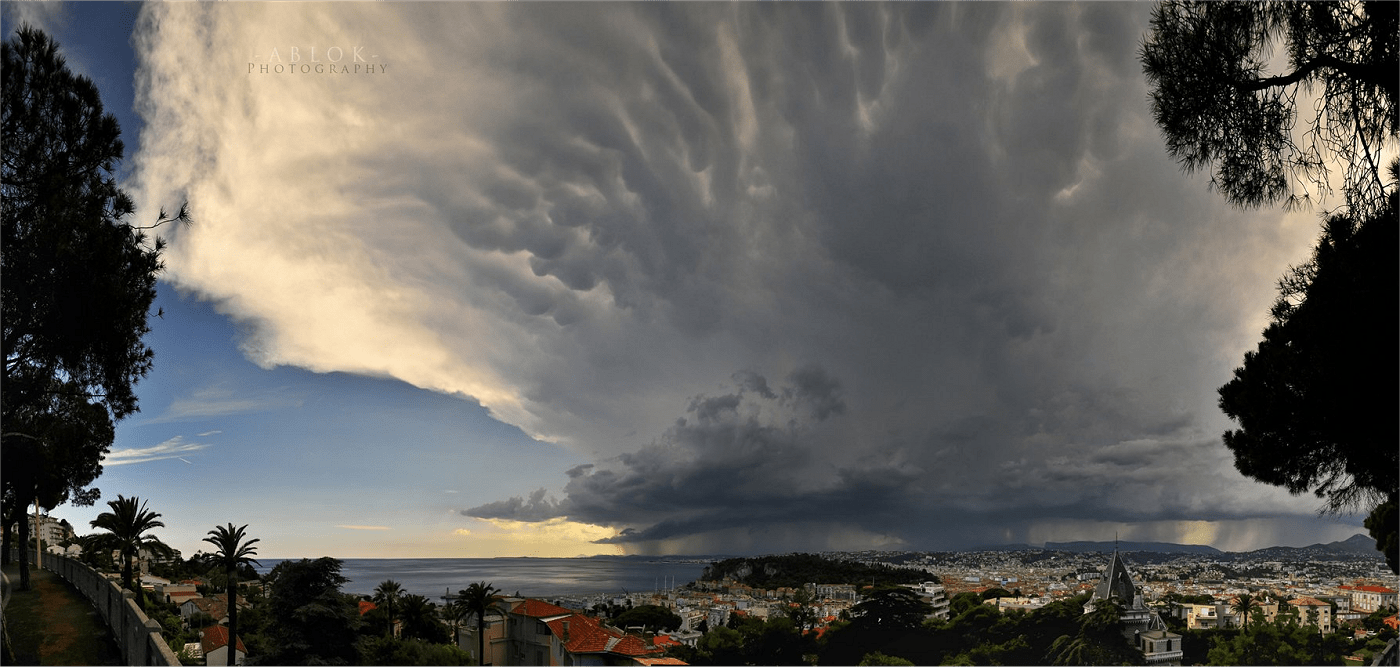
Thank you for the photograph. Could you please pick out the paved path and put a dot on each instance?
(53, 624)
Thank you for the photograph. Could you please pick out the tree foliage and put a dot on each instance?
(894, 607)
(127, 526)
(794, 570)
(1311, 415)
(1284, 641)
(651, 617)
(1382, 523)
(474, 600)
(310, 622)
(1222, 108)
(232, 550)
(419, 617)
(79, 280)
(386, 596)
(394, 651)
(1099, 641)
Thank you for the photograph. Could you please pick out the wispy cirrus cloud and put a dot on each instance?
(221, 401)
(170, 449)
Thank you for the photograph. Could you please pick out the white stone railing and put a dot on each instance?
(138, 636)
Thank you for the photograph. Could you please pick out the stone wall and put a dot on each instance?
(138, 636)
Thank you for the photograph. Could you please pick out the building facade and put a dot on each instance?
(1142, 626)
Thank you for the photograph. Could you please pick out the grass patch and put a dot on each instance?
(53, 624)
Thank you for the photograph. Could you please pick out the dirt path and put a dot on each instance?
(53, 624)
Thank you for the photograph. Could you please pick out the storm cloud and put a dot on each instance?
(782, 275)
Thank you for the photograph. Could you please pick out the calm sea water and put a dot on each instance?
(533, 577)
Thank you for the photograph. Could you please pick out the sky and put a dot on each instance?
(500, 279)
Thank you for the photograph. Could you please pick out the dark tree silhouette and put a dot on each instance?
(311, 622)
(54, 450)
(1244, 605)
(387, 595)
(127, 526)
(231, 551)
(1382, 523)
(1222, 109)
(78, 280)
(892, 607)
(476, 599)
(1099, 640)
(1313, 401)
(420, 619)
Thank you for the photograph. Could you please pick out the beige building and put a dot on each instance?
(1314, 612)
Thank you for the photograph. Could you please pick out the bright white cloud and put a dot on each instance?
(170, 449)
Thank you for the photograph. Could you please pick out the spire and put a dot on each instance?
(1117, 582)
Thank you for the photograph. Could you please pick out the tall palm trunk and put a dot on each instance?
(232, 590)
(126, 578)
(481, 637)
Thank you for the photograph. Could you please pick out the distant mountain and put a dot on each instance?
(1157, 547)
(1356, 545)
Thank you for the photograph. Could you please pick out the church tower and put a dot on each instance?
(1141, 626)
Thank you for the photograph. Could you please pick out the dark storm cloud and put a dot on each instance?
(1017, 289)
(1020, 306)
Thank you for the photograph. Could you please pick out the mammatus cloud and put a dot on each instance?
(586, 217)
(170, 449)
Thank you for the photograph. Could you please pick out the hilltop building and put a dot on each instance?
(1142, 626)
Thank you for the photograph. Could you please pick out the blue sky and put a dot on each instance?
(558, 280)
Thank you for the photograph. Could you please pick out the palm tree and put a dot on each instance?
(420, 620)
(1244, 603)
(126, 526)
(231, 552)
(476, 599)
(386, 595)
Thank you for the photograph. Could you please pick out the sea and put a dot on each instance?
(577, 580)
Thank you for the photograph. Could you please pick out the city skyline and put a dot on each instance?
(563, 280)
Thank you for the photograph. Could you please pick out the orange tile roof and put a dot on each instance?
(661, 661)
(216, 636)
(366, 607)
(539, 608)
(1375, 589)
(215, 608)
(588, 635)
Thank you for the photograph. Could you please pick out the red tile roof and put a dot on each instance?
(215, 608)
(1376, 589)
(588, 635)
(366, 607)
(216, 636)
(539, 609)
(661, 661)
